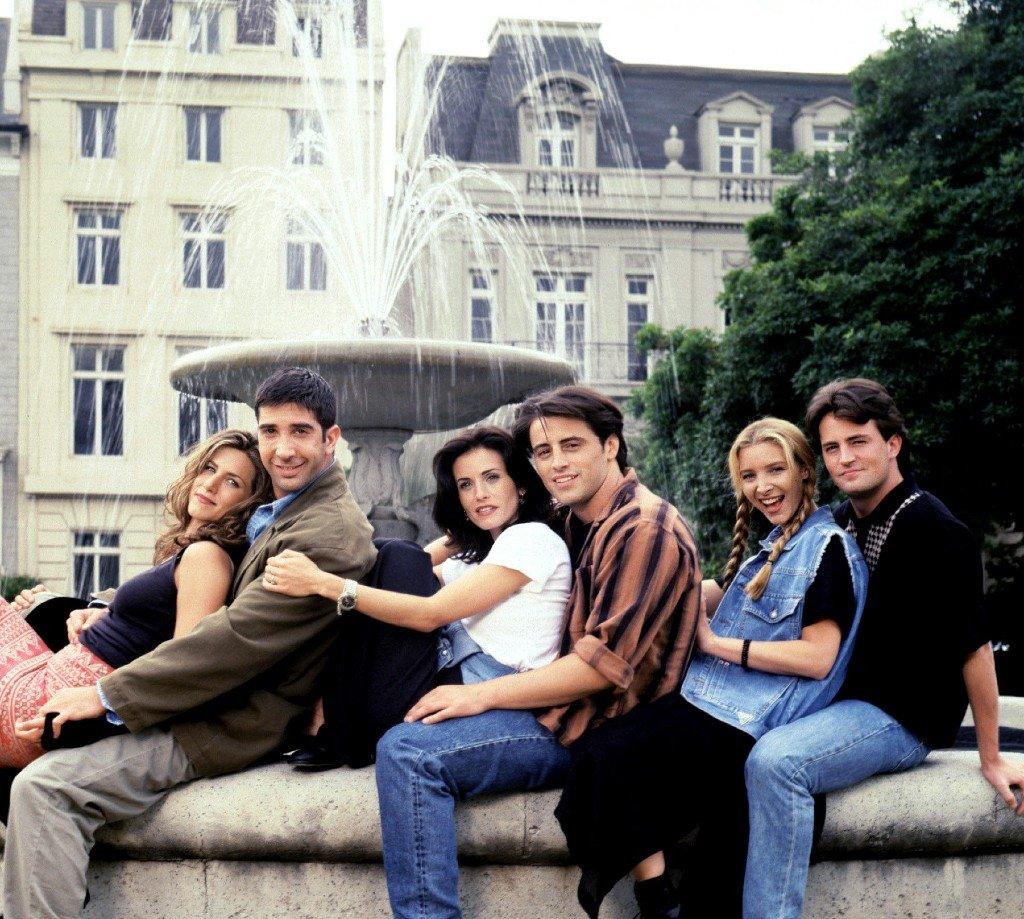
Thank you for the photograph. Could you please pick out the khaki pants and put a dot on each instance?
(60, 800)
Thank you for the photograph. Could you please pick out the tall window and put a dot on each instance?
(204, 30)
(305, 138)
(831, 140)
(557, 139)
(311, 36)
(198, 417)
(98, 26)
(98, 134)
(96, 560)
(202, 135)
(203, 248)
(737, 148)
(98, 245)
(638, 311)
(306, 266)
(97, 399)
(481, 305)
(561, 313)
(151, 19)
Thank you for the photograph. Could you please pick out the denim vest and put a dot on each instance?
(752, 700)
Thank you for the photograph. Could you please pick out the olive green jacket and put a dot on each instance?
(230, 687)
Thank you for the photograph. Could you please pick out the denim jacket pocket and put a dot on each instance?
(771, 618)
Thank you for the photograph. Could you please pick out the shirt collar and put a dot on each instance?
(887, 505)
(624, 493)
(266, 514)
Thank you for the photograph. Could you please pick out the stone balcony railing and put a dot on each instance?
(650, 194)
(599, 362)
(558, 182)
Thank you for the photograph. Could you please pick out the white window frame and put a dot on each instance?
(104, 26)
(98, 376)
(305, 138)
(212, 414)
(310, 29)
(203, 115)
(105, 239)
(203, 228)
(558, 145)
(96, 551)
(482, 283)
(737, 138)
(557, 304)
(643, 299)
(104, 117)
(302, 240)
(202, 39)
(831, 143)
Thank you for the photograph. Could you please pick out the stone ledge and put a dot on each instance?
(943, 808)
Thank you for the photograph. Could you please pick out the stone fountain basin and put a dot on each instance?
(386, 383)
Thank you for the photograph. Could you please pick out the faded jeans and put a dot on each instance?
(839, 746)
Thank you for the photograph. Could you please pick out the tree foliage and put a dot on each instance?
(903, 263)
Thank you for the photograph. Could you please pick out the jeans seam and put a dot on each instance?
(911, 755)
(417, 772)
(800, 773)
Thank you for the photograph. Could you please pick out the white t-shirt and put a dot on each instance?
(524, 631)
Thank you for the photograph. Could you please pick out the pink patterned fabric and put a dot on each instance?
(30, 673)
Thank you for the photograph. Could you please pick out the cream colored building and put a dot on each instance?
(139, 120)
(635, 182)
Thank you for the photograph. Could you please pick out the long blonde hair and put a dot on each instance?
(795, 447)
(229, 530)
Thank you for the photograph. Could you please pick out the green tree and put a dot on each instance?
(904, 265)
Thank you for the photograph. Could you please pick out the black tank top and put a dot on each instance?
(141, 615)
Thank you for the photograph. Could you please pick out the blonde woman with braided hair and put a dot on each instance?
(777, 648)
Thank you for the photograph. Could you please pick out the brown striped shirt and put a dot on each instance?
(633, 607)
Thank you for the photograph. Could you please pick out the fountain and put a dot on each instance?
(387, 389)
(375, 235)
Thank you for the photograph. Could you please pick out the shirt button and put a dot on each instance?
(774, 615)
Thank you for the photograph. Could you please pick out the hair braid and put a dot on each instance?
(759, 581)
(740, 532)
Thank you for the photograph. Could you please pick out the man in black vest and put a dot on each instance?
(922, 653)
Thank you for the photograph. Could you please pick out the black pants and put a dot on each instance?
(641, 782)
(376, 672)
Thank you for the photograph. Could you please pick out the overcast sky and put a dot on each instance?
(802, 35)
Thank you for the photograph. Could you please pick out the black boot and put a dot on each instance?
(657, 898)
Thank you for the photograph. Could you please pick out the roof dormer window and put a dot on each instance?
(557, 139)
(558, 122)
(738, 147)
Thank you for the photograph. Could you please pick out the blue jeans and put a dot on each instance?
(423, 769)
(839, 746)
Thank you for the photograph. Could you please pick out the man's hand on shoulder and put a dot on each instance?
(1005, 776)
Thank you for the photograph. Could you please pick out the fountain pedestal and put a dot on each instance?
(376, 481)
(387, 390)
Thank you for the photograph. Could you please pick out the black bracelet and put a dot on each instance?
(745, 654)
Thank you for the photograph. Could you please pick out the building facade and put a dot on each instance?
(11, 133)
(146, 122)
(634, 183)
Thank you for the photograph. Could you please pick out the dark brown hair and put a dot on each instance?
(229, 531)
(471, 542)
(596, 411)
(858, 400)
(303, 387)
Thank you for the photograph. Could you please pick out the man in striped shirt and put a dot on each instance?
(631, 622)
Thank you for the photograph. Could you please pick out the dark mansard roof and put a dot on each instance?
(477, 121)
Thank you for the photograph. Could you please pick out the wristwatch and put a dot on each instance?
(347, 599)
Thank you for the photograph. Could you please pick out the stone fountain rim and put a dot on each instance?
(430, 352)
